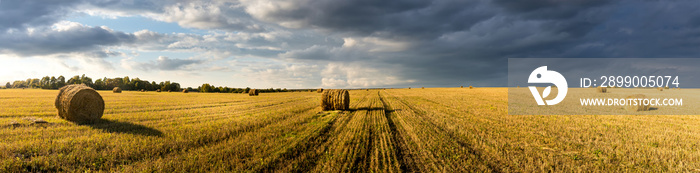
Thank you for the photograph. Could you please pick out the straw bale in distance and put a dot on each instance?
(335, 99)
(471, 87)
(660, 89)
(602, 89)
(253, 92)
(158, 90)
(640, 106)
(117, 90)
(461, 86)
(320, 90)
(79, 103)
(185, 91)
(422, 87)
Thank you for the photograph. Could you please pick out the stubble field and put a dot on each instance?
(393, 130)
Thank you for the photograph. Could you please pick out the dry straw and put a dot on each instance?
(158, 90)
(320, 90)
(185, 91)
(660, 89)
(143, 90)
(253, 92)
(117, 90)
(335, 99)
(79, 103)
(602, 89)
(471, 87)
(422, 87)
(640, 105)
(461, 86)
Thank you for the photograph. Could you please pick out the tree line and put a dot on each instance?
(105, 83)
(125, 83)
(207, 88)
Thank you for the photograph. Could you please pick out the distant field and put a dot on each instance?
(393, 130)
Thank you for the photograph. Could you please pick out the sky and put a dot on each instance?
(330, 43)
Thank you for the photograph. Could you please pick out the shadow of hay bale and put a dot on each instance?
(123, 127)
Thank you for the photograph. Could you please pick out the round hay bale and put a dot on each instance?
(660, 89)
(79, 103)
(335, 99)
(170, 91)
(320, 90)
(640, 105)
(461, 86)
(158, 90)
(602, 89)
(471, 87)
(367, 89)
(185, 91)
(253, 92)
(117, 90)
(422, 87)
(143, 90)
(409, 87)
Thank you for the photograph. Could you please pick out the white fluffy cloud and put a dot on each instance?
(359, 75)
(162, 63)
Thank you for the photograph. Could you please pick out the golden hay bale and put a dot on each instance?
(117, 90)
(660, 89)
(602, 89)
(170, 91)
(335, 99)
(367, 89)
(409, 87)
(185, 91)
(422, 87)
(640, 105)
(79, 103)
(666, 87)
(253, 92)
(143, 90)
(461, 86)
(320, 90)
(158, 90)
(471, 87)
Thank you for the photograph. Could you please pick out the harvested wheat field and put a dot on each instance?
(393, 130)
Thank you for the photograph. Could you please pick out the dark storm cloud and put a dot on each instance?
(548, 9)
(435, 43)
(469, 42)
(410, 18)
(19, 14)
(74, 38)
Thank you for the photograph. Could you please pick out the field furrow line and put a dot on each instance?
(481, 158)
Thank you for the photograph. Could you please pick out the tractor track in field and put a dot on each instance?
(233, 133)
(405, 159)
(494, 167)
(303, 150)
(209, 105)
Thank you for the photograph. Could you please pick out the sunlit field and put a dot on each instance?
(393, 130)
